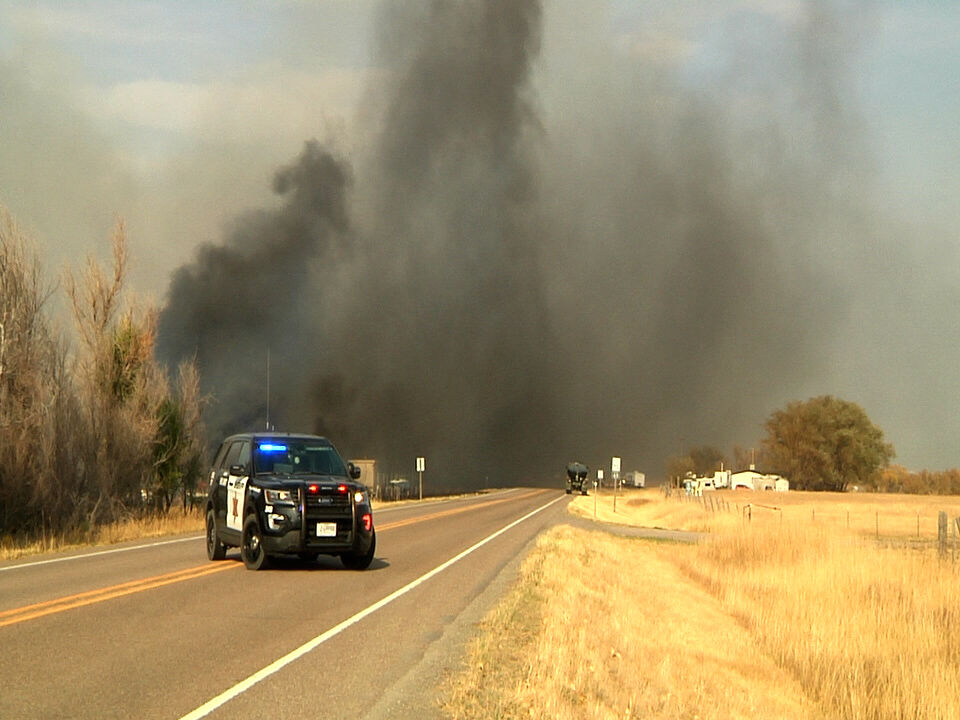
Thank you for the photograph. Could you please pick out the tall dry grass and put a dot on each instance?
(873, 633)
(151, 526)
(829, 622)
(602, 627)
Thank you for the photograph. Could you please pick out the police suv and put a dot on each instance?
(283, 494)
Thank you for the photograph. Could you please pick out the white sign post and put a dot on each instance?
(596, 491)
(615, 470)
(421, 466)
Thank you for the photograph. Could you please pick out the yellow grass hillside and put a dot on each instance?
(827, 622)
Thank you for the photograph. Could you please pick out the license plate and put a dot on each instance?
(327, 529)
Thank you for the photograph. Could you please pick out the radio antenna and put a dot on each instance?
(268, 389)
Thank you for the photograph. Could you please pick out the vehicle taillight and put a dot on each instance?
(341, 488)
(367, 521)
(314, 489)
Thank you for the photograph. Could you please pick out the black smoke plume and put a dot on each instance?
(506, 281)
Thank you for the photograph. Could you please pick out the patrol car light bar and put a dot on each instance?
(268, 447)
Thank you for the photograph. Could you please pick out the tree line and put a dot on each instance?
(93, 429)
(824, 443)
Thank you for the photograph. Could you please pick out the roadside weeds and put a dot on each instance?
(790, 619)
(603, 627)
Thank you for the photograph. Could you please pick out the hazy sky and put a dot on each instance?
(176, 115)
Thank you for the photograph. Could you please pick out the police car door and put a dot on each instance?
(237, 485)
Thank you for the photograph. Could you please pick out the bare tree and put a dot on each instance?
(119, 386)
(95, 436)
(30, 365)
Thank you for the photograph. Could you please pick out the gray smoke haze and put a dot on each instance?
(526, 265)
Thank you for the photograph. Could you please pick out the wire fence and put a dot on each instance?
(894, 527)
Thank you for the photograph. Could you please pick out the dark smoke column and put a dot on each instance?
(256, 291)
(419, 327)
(463, 359)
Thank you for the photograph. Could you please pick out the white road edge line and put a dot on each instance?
(100, 552)
(244, 685)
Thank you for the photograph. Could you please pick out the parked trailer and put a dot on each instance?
(634, 478)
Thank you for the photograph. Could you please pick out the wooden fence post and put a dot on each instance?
(942, 533)
(953, 549)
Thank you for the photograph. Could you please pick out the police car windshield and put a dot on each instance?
(296, 457)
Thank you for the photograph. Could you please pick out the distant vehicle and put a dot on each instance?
(634, 478)
(282, 494)
(577, 478)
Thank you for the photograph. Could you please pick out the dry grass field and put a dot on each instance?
(887, 516)
(774, 618)
(174, 523)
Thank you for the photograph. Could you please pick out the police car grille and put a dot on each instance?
(329, 507)
(334, 505)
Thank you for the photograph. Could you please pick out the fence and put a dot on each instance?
(943, 541)
(915, 528)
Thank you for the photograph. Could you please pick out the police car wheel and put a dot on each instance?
(358, 561)
(568, 491)
(251, 547)
(216, 550)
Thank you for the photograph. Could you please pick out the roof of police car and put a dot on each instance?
(274, 435)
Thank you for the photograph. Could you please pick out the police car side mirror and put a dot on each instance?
(354, 471)
(237, 470)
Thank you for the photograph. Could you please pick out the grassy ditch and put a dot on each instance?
(152, 526)
(778, 619)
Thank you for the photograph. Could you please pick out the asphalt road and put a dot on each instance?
(154, 630)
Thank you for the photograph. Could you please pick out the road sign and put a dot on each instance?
(421, 466)
(599, 474)
(615, 465)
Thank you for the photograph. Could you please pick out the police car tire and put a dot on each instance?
(356, 561)
(216, 550)
(253, 559)
(568, 491)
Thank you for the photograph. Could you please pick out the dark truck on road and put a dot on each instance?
(577, 478)
(282, 494)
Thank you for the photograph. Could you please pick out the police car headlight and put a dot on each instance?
(359, 496)
(279, 497)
